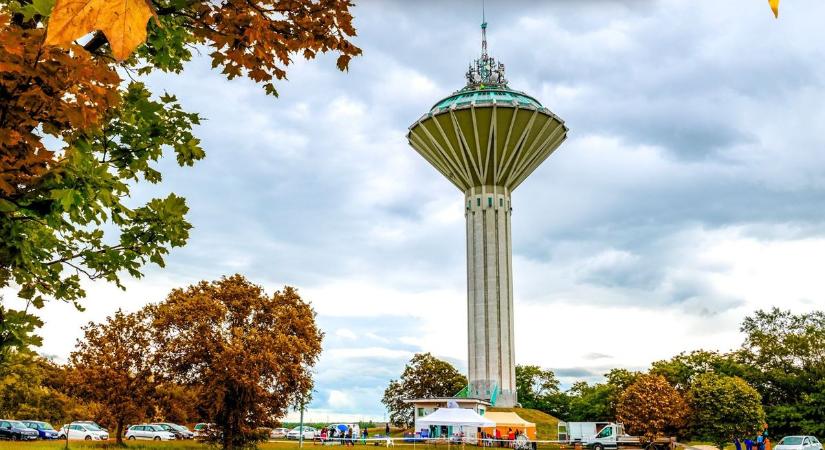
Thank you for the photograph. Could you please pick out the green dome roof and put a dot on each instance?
(481, 96)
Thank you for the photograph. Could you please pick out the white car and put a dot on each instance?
(278, 433)
(84, 431)
(150, 432)
(798, 443)
(309, 433)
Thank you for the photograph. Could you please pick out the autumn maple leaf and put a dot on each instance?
(122, 21)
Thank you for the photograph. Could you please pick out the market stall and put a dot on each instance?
(506, 421)
(452, 423)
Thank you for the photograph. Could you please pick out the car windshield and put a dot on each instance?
(179, 427)
(17, 424)
(92, 426)
(791, 440)
(200, 426)
(41, 426)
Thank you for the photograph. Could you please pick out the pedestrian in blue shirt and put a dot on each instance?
(748, 444)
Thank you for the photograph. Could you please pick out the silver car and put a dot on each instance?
(799, 443)
(150, 432)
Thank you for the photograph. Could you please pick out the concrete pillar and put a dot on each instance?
(491, 358)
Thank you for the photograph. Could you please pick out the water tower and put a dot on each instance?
(486, 138)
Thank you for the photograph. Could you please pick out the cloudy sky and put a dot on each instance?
(688, 194)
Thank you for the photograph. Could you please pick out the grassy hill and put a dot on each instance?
(546, 425)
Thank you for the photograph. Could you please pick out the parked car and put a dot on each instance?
(309, 433)
(799, 443)
(16, 431)
(88, 431)
(150, 432)
(44, 429)
(278, 433)
(202, 430)
(180, 431)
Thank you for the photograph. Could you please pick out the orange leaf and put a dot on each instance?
(122, 21)
(774, 7)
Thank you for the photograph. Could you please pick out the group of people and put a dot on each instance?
(496, 439)
(345, 437)
(762, 442)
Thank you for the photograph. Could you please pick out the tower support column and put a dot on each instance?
(491, 357)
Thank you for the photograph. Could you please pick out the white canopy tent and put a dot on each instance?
(455, 417)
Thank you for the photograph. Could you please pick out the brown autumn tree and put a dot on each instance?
(112, 366)
(651, 407)
(248, 353)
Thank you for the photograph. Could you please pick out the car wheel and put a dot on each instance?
(157, 438)
(598, 447)
(131, 438)
(87, 438)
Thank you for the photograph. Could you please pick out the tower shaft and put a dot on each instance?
(491, 357)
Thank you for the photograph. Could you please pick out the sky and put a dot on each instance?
(688, 194)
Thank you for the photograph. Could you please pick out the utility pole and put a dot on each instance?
(301, 426)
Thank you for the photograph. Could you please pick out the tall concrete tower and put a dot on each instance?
(486, 138)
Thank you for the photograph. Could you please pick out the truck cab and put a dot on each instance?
(608, 438)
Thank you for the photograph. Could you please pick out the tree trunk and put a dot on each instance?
(119, 432)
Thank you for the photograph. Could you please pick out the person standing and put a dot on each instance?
(767, 442)
(748, 444)
(760, 442)
(737, 444)
(387, 429)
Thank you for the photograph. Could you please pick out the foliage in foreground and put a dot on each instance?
(75, 139)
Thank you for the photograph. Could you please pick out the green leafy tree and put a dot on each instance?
(684, 367)
(597, 402)
(534, 385)
(591, 402)
(724, 408)
(651, 407)
(425, 376)
(784, 357)
(17, 333)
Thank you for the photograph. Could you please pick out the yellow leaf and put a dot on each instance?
(122, 21)
(774, 7)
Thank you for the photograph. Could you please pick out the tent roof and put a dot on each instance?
(503, 418)
(454, 417)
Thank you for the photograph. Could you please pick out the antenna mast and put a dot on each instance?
(483, 31)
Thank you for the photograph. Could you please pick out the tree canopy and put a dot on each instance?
(248, 353)
(651, 407)
(425, 376)
(724, 408)
(113, 366)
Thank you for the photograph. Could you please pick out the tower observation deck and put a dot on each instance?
(486, 138)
